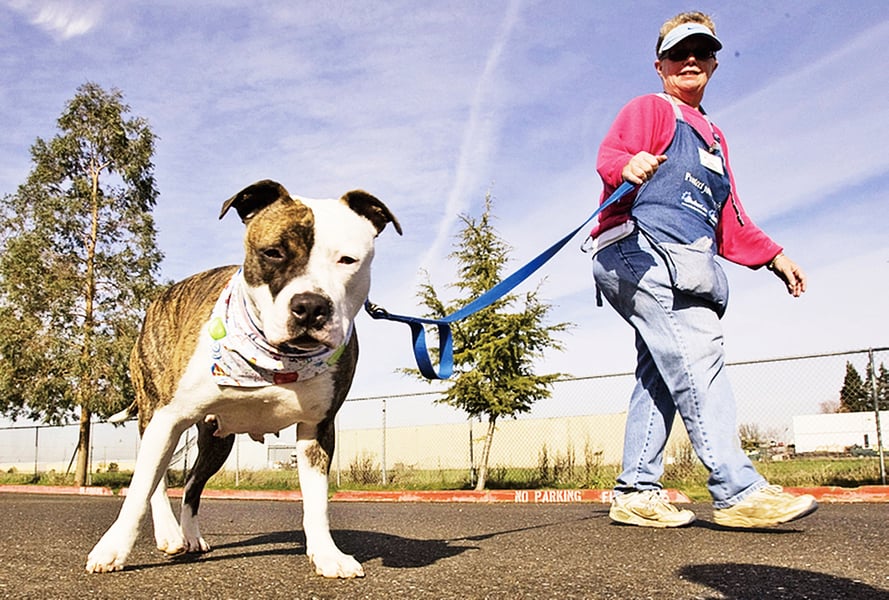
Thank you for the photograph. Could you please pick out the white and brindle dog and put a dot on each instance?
(252, 350)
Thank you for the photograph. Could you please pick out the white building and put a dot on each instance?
(835, 432)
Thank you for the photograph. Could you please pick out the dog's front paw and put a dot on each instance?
(334, 564)
(105, 558)
(112, 551)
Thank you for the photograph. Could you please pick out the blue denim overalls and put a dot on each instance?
(682, 202)
(678, 210)
(663, 280)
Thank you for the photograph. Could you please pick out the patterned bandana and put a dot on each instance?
(240, 356)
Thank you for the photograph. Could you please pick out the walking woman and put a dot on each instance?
(654, 262)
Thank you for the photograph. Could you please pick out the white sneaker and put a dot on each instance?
(650, 508)
(766, 507)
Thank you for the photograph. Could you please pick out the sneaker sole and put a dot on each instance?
(752, 523)
(624, 517)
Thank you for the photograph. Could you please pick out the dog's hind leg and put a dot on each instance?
(167, 533)
(212, 453)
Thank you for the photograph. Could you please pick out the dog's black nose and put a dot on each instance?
(310, 310)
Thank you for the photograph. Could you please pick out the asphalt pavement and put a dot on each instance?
(449, 550)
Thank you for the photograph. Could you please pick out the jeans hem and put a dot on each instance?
(618, 490)
(740, 496)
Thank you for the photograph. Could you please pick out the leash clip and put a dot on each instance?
(375, 310)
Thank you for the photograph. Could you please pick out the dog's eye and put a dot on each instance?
(273, 254)
(347, 260)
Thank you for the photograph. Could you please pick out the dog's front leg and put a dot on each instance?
(158, 442)
(313, 462)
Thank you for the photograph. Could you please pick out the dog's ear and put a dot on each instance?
(372, 209)
(254, 198)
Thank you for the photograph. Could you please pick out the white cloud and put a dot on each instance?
(62, 19)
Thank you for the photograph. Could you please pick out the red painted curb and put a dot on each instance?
(825, 494)
(472, 496)
(289, 495)
(57, 489)
(828, 494)
(485, 496)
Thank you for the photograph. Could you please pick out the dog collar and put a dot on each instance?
(240, 356)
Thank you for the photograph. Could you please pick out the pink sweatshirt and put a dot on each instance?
(647, 123)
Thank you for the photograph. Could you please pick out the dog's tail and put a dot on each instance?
(128, 413)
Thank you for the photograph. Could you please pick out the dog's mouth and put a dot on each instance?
(303, 344)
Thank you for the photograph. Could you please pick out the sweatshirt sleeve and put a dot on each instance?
(646, 123)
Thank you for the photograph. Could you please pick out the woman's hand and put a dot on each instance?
(791, 273)
(641, 167)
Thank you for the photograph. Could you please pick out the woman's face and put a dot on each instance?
(686, 68)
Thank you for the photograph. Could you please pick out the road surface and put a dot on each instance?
(453, 550)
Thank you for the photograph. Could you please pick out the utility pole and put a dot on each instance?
(873, 389)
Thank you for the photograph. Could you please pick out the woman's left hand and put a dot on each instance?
(791, 273)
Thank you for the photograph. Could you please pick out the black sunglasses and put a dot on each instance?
(680, 54)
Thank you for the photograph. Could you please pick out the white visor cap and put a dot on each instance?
(679, 33)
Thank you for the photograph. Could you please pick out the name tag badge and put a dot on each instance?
(711, 161)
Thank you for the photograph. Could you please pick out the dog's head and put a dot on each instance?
(307, 263)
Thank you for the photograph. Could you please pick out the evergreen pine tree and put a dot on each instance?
(495, 348)
(854, 396)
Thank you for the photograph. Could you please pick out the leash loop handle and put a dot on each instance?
(445, 338)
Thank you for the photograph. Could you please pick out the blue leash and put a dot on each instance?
(445, 340)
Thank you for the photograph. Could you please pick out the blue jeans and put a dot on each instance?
(680, 367)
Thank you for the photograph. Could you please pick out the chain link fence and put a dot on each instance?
(412, 440)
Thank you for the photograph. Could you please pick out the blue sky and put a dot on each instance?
(431, 105)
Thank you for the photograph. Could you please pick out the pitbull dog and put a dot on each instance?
(252, 349)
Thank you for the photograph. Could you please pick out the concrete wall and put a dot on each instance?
(516, 443)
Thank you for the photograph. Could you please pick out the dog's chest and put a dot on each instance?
(271, 409)
(255, 411)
